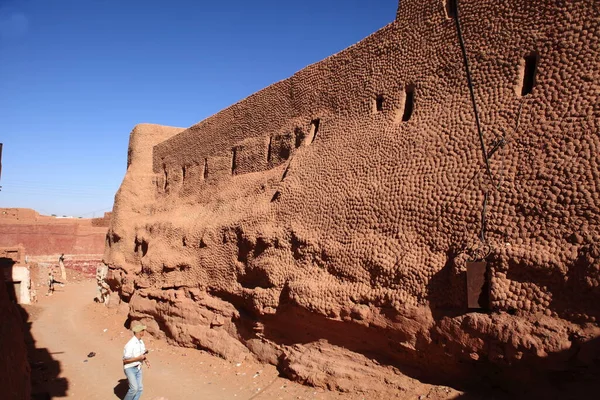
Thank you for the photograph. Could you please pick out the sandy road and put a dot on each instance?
(68, 326)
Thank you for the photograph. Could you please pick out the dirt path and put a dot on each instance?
(67, 326)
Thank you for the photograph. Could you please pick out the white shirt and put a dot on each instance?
(134, 348)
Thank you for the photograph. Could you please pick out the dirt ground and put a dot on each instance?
(67, 326)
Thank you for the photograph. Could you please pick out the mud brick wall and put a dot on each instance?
(330, 217)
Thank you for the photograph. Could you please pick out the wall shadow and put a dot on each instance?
(434, 359)
(45, 370)
(569, 374)
(41, 368)
(546, 379)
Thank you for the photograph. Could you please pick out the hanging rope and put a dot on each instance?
(472, 92)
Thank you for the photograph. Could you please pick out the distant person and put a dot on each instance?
(102, 288)
(50, 283)
(134, 355)
(104, 293)
(32, 292)
(61, 264)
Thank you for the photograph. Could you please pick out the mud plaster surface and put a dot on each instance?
(321, 226)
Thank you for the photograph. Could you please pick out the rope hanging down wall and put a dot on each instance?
(497, 143)
(471, 90)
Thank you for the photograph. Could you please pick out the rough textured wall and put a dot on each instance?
(104, 221)
(43, 235)
(133, 205)
(328, 219)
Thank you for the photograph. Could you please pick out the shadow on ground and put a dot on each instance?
(121, 388)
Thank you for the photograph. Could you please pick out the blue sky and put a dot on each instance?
(77, 75)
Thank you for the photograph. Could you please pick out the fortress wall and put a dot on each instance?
(133, 200)
(45, 236)
(45, 239)
(265, 236)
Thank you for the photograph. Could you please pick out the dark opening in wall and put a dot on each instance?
(166, 176)
(141, 247)
(379, 103)
(276, 196)
(408, 103)
(300, 137)
(183, 170)
(284, 152)
(314, 129)
(528, 72)
(144, 248)
(205, 168)
(285, 172)
(451, 7)
(233, 160)
(269, 149)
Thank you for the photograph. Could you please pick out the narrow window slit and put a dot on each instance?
(166, 176)
(451, 8)
(269, 149)
(205, 168)
(285, 172)
(379, 103)
(233, 160)
(144, 248)
(529, 71)
(276, 196)
(314, 129)
(183, 171)
(408, 103)
(299, 136)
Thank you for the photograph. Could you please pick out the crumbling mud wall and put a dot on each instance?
(325, 224)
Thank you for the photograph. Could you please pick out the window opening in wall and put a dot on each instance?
(408, 103)
(205, 168)
(276, 196)
(269, 149)
(284, 149)
(285, 172)
(314, 129)
(529, 70)
(451, 8)
(166, 175)
(300, 136)
(183, 171)
(233, 160)
(379, 103)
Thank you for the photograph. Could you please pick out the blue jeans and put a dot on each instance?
(134, 376)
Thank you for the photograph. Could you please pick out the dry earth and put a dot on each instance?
(67, 326)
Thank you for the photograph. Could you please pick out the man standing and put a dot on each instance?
(133, 356)
(61, 264)
(50, 283)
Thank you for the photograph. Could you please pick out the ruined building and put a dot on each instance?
(329, 223)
